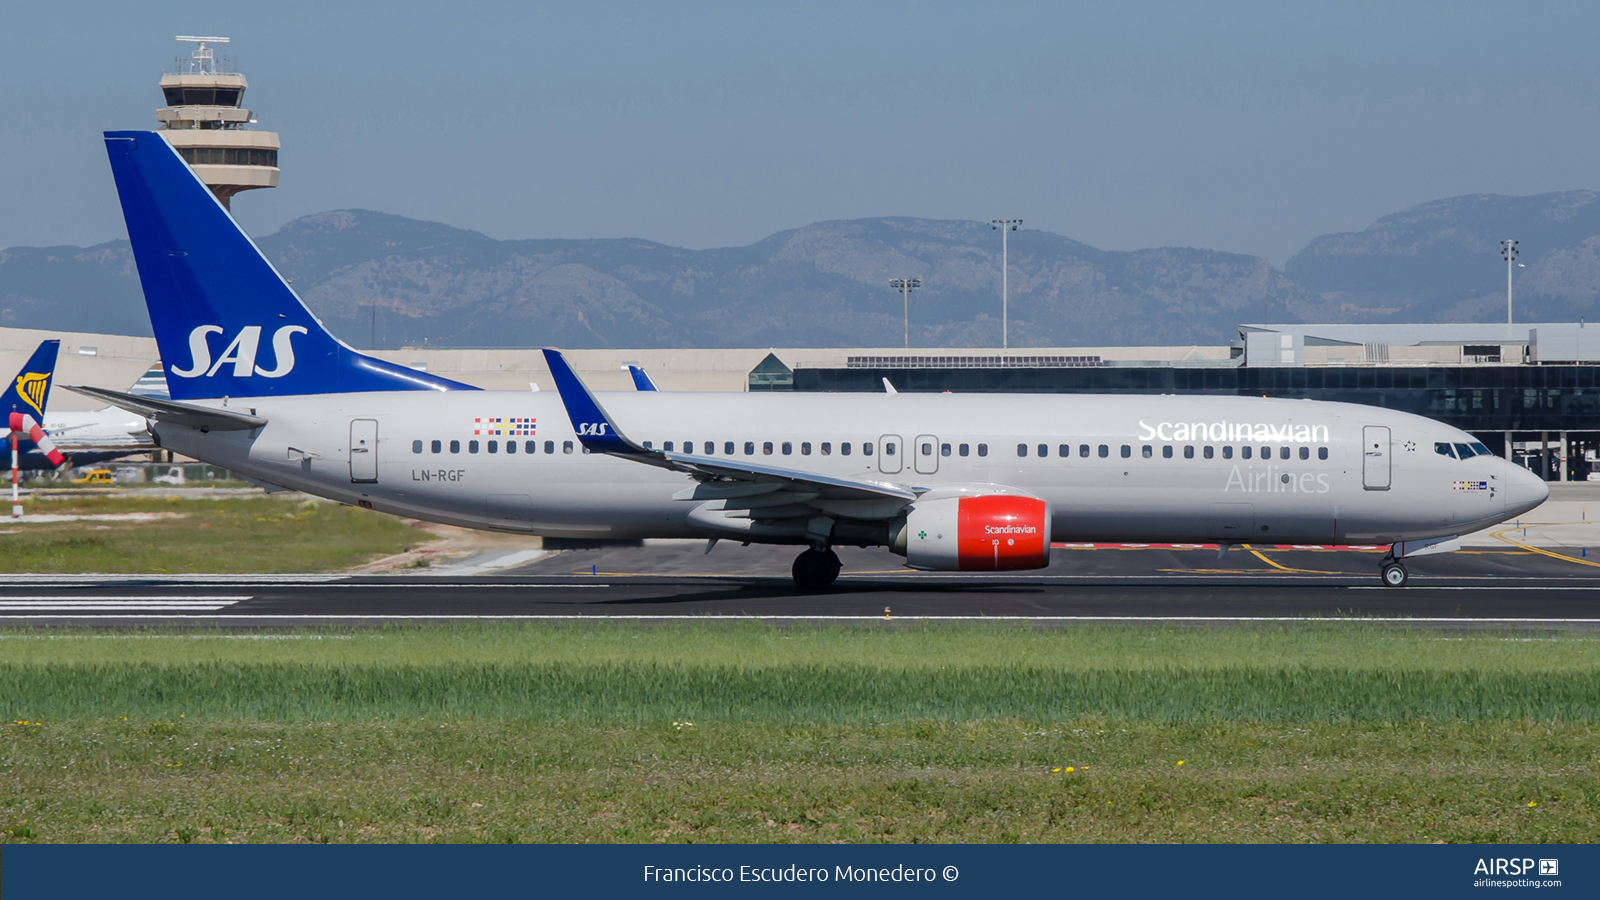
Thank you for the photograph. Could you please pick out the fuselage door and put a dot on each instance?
(927, 450)
(1375, 458)
(363, 451)
(890, 453)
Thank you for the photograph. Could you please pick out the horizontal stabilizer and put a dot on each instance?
(205, 418)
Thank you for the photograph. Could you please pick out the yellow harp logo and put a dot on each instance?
(32, 387)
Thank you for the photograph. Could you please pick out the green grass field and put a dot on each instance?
(750, 733)
(250, 535)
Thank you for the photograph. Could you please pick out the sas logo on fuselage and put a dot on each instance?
(592, 429)
(241, 352)
(31, 387)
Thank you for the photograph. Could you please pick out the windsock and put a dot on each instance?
(23, 423)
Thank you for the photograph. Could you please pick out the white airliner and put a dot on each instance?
(974, 482)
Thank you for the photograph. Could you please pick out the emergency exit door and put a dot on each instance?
(363, 451)
(927, 447)
(1375, 458)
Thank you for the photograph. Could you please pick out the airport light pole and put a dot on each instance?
(1508, 251)
(1001, 225)
(905, 286)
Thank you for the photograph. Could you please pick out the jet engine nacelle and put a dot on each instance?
(980, 533)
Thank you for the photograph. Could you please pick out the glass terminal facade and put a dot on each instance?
(1488, 401)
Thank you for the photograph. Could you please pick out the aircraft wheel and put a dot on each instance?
(814, 570)
(1394, 574)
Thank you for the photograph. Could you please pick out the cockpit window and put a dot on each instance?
(1481, 450)
(1443, 449)
(1464, 451)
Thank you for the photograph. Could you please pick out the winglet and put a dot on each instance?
(641, 379)
(589, 421)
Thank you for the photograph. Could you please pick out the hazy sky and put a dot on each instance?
(1243, 127)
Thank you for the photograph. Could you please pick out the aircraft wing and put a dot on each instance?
(204, 418)
(599, 434)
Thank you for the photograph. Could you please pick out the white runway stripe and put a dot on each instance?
(118, 604)
(1307, 620)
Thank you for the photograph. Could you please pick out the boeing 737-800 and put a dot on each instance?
(950, 481)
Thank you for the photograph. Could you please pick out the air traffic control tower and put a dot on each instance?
(204, 120)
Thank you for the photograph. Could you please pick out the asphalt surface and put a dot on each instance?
(676, 579)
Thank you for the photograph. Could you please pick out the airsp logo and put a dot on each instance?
(241, 352)
(592, 429)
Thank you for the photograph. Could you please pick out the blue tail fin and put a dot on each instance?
(30, 390)
(225, 322)
(641, 379)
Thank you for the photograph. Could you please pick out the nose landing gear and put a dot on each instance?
(814, 570)
(1394, 572)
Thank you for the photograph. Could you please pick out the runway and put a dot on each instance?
(676, 580)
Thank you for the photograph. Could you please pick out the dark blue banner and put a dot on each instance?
(32, 872)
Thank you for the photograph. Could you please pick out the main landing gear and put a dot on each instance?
(814, 570)
(1394, 572)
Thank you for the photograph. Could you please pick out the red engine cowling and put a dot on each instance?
(988, 532)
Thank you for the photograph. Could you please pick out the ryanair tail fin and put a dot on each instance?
(30, 390)
(226, 323)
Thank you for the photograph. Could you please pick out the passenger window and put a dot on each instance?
(1227, 453)
(727, 448)
(1147, 452)
(1064, 450)
(1105, 451)
(962, 449)
(1044, 450)
(844, 449)
(1083, 451)
(436, 446)
(1322, 453)
(666, 447)
(1127, 451)
(944, 450)
(1210, 451)
(1443, 449)
(788, 448)
(1463, 451)
(805, 448)
(1305, 452)
(472, 446)
(1188, 451)
(983, 449)
(647, 445)
(494, 446)
(455, 446)
(1244, 452)
(1022, 449)
(1166, 451)
(531, 447)
(1283, 452)
(566, 446)
(927, 449)
(550, 447)
(888, 448)
(511, 446)
(416, 446)
(749, 448)
(827, 448)
(766, 448)
(711, 448)
(1266, 452)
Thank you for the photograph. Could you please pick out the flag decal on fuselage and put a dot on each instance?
(32, 386)
(509, 426)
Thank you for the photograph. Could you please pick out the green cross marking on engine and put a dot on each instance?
(921, 535)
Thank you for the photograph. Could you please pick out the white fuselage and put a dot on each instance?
(1398, 489)
(110, 428)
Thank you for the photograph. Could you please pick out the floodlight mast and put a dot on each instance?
(1001, 226)
(905, 286)
(1508, 251)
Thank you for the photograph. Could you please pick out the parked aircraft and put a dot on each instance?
(949, 481)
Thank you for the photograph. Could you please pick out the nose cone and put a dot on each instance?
(1524, 490)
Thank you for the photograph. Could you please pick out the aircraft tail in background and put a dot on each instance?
(29, 391)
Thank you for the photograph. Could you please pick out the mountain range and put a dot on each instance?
(389, 281)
